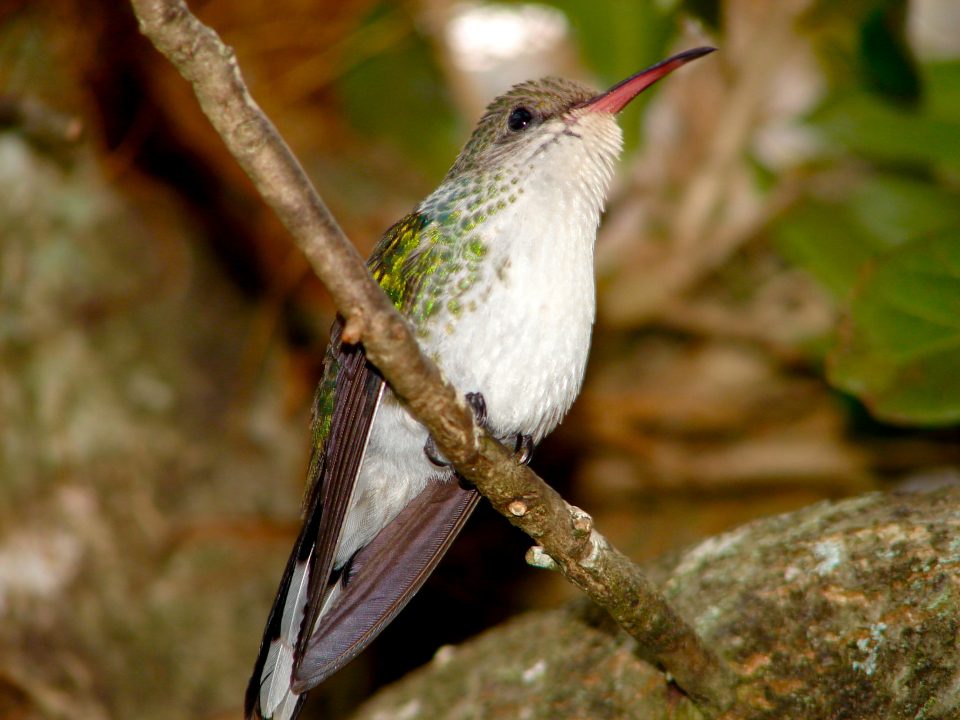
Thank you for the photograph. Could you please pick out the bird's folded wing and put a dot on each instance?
(359, 390)
(383, 576)
(346, 405)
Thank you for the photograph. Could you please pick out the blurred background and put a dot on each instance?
(779, 306)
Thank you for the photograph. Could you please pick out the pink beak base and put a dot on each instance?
(619, 96)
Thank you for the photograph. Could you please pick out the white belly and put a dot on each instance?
(524, 348)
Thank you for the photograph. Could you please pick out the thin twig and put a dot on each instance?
(565, 534)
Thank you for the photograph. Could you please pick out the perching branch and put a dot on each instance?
(565, 535)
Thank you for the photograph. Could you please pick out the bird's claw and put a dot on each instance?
(522, 444)
(433, 454)
(523, 448)
(478, 405)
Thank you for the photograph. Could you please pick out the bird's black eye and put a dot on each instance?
(519, 118)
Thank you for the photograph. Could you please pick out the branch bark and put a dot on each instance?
(564, 534)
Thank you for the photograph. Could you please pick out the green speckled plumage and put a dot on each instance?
(416, 262)
(432, 258)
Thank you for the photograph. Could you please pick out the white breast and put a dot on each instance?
(525, 344)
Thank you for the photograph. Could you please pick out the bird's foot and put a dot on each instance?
(478, 405)
(522, 447)
(433, 454)
(522, 444)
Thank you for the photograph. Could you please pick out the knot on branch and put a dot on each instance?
(249, 135)
(518, 508)
(354, 327)
(538, 558)
(581, 521)
(597, 546)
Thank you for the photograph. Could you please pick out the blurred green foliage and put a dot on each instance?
(886, 245)
(886, 63)
(901, 347)
(619, 38)
(398, 94)
(880, 131)
(835, 241)
(889, 128)
(385, 93)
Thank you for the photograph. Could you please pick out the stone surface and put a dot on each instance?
(845, 609)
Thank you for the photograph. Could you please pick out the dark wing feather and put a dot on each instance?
(251, 700)
(387, 573)
(344, 409)
(358, 394)
(383, 576)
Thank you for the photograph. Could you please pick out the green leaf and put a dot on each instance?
(878, 130)
(895, 208)
(826, 240)
(942, 89)
(900, 347)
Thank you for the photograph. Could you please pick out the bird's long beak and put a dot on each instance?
(617, 97)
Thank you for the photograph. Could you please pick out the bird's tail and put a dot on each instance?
(270, 694)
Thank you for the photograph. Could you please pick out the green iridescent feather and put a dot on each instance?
(323, 404)
(403, 258)
(399, 263)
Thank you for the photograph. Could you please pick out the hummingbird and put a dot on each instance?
(494, 273)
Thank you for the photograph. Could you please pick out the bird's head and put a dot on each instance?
(538, 119)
